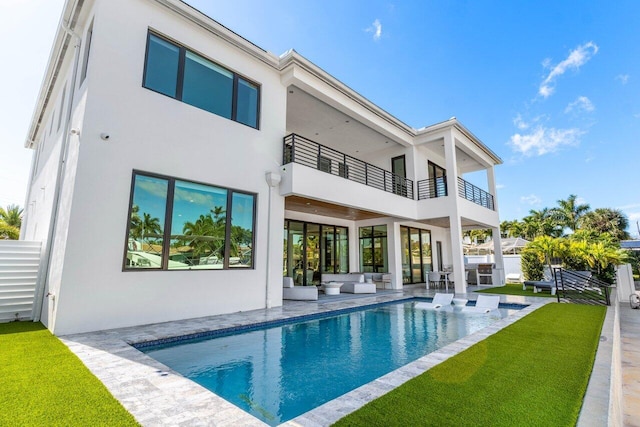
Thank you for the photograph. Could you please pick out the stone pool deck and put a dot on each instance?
(155, 395)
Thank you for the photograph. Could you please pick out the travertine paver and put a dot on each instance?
(630, 337)
(156, 395)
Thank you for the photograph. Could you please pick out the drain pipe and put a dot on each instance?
(43, 274)
(273, 179)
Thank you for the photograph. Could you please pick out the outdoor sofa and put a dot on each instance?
(353, 283)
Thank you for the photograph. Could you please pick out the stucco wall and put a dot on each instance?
(155, 133)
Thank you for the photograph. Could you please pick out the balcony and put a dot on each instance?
(470, 192)
(432, 188)
(297, 149)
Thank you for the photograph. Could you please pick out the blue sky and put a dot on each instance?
(552, 87)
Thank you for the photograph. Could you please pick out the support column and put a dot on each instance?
(457, 254)
(394, 252)
(499, 276)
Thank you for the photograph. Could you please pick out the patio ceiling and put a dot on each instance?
(309, 117)
(316, 207)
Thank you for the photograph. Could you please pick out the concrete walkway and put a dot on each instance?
(630, 337)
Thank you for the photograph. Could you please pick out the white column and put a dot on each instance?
(498, 278)
(394, 253)
(457, 254)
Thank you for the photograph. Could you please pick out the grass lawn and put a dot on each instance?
(532, 373)
(42, 383)
(516, 289)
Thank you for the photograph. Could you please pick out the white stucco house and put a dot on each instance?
(180, 171)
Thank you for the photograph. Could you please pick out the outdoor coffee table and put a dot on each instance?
(332, 288)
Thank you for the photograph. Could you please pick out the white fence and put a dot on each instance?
(19, 262)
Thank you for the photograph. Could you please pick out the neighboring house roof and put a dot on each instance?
(633, 245)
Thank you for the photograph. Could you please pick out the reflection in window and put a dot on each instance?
(177, 72)
(373, 249)
(241, 245)
(161, 72)
(146, 222)
(207, 85)
(247, 108)
(200, 225)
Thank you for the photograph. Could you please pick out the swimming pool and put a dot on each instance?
(279, 372)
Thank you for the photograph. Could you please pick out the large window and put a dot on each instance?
(177, 72)
(416, 254)
(183, 225)
(373, 249)
(312, 249)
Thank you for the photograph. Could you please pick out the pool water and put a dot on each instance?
(277, 373)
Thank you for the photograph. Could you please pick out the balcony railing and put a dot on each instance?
(303, 151)
(432, 188)
(468, 191)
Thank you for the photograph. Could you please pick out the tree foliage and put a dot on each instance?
(10, 222)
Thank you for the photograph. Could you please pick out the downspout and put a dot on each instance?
(273, 179)
(43, 273)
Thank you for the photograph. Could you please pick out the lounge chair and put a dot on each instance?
(484, 304)
(439, 301)
(298, 293)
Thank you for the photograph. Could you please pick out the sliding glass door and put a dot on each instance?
(415, 254)
(312, 249)
(373, 249)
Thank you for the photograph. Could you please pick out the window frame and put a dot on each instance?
(166, 234)
(182, 50)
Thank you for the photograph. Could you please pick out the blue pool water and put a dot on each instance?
(277, 373)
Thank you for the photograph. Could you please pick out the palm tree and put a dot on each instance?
(548, 248)
(12, 216)
(8, 232)
(569, 212)
(606, 220)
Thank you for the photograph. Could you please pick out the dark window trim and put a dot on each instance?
(374, 266)
(169, 216)
(87, 52)
(304, 242)
(420, 231)
(180, 78)
(404, 165)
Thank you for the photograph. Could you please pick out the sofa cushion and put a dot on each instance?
(287, 282)
(330, 277)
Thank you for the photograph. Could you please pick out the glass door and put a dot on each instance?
(312, 270)
(399, 170)
(406, 255)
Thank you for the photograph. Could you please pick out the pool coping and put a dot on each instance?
(156, 395)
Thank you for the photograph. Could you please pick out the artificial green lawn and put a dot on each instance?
(532, 373)
(516, 289)
(42, 383)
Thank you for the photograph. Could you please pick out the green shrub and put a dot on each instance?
(532, 267)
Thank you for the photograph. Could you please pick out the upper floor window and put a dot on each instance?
(177, 72)
(183, 225)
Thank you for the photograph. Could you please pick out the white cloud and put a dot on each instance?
(500, 186)
(582, 103)
(577, 57)
(545, 140)
(637, 115)
(531, 199)
(520, 123)
(376, 29)
(624, 78)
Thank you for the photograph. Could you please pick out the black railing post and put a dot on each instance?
(366, 174)
(293, 148)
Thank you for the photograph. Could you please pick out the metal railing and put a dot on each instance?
(581, 288)
(474, 194)
(298, 149)
(432, 188)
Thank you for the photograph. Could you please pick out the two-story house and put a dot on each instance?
(180, 171)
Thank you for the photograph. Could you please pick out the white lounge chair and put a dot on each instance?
(439, 301)
(298, 293)
(484, 304)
